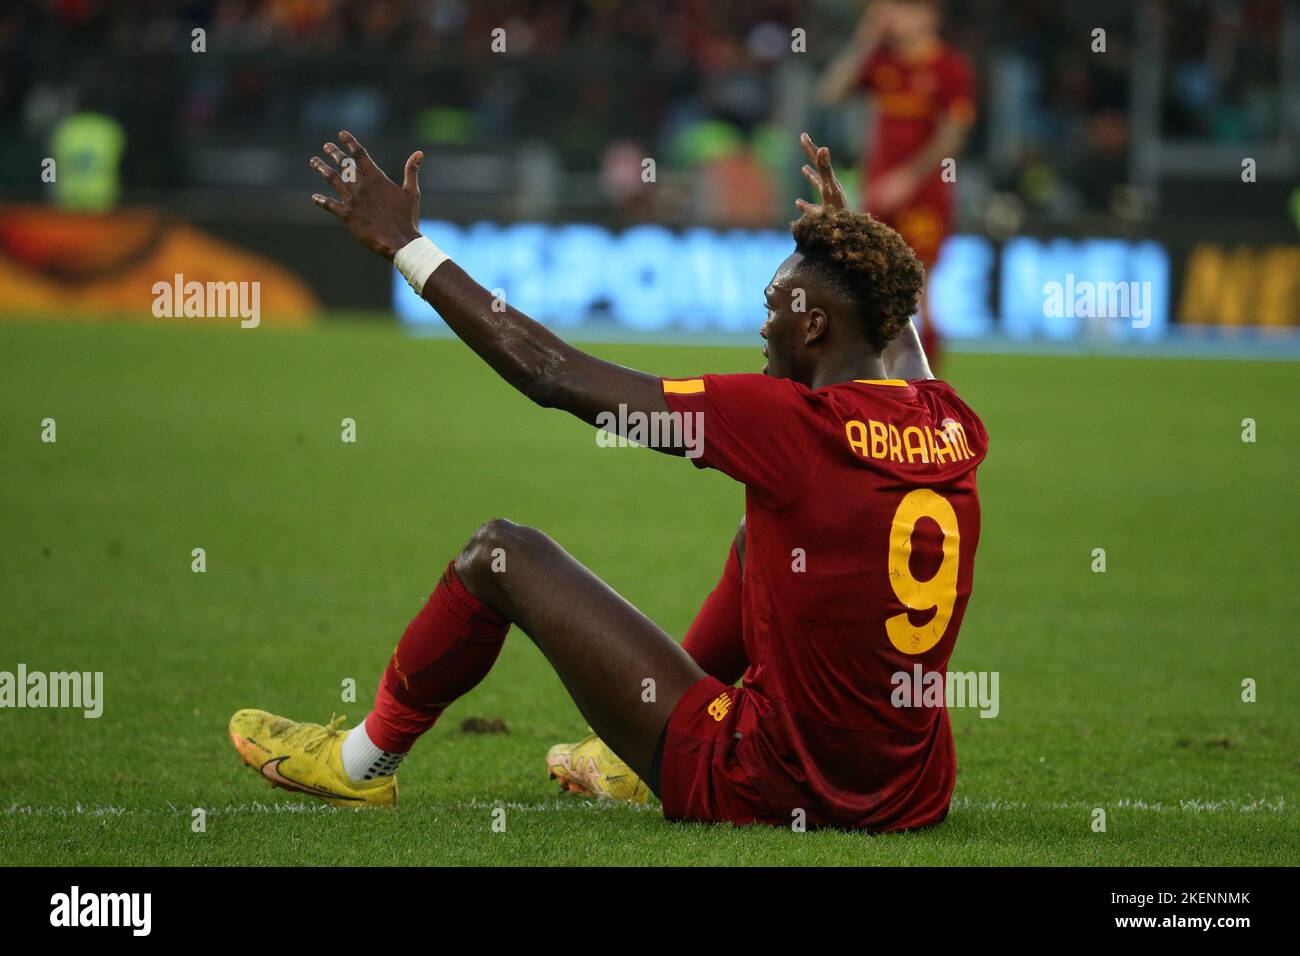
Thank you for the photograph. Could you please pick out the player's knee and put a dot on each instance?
(487, 553)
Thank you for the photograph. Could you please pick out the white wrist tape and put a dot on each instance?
(416, 261)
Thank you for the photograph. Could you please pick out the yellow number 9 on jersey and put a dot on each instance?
(940, 591)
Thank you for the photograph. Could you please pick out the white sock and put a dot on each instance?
(363, 759)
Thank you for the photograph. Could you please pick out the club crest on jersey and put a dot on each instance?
(719, 706)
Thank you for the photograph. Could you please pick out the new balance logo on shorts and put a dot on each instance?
(719, 706)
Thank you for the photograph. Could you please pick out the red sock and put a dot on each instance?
(443, 654)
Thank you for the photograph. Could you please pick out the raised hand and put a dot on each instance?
(381, 214)
(822, 178)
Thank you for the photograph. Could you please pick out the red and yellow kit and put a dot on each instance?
(910, 97)
(862, 519)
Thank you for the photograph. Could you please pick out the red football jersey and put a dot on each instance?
(862, 519)
(910, 97)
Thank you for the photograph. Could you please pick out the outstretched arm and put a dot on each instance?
(384, 217)
(903, 357)
(534, 359)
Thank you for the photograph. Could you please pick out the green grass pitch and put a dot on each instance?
(1119, 690)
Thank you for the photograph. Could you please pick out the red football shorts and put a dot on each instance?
(701, 777)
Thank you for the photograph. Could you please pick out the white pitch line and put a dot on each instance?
(959, 804)
(1261, 805)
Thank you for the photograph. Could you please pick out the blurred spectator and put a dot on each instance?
(580, 75)
(87, 148)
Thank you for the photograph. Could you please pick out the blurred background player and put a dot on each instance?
(921, 93)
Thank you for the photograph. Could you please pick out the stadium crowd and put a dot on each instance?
(596, 84)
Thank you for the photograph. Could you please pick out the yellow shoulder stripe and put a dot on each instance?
(881, 381)
(689, 386)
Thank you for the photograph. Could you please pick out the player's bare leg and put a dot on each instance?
(715, 641)
(602, 647)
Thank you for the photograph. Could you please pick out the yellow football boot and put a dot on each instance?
(591, 769)
(305, 758)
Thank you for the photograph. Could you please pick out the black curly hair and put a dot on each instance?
(867, 261)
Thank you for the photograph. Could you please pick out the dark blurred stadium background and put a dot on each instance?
(1123, 690)
(1120, 166)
